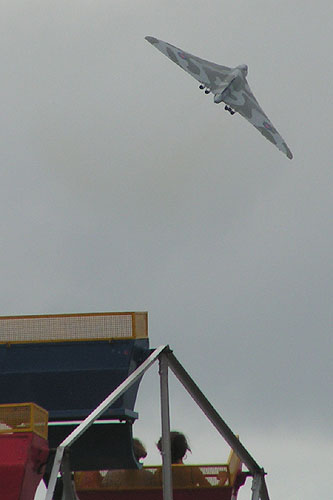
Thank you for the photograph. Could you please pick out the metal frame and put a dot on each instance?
(165, 421)
(166, 360)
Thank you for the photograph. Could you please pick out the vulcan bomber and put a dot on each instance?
(228, 85)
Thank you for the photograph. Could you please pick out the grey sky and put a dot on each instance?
(123, 187)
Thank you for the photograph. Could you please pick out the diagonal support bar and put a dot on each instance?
(87, 422)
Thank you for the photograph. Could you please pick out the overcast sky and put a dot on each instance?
(123, 187)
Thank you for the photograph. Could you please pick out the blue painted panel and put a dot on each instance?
(69, 379)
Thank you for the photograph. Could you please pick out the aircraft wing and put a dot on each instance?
(213, 76)
(239, 96)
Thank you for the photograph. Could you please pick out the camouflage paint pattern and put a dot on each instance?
(229, 85)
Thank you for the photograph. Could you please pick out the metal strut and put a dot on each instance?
(165, 420)
(166, 360)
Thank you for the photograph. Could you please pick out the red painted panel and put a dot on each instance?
(22, 459)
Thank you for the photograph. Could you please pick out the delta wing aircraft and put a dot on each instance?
(229, 85)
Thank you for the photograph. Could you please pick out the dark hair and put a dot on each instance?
(139, 449)
(179, 446)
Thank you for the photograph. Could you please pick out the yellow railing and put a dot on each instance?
(150, 477)
(23, 417)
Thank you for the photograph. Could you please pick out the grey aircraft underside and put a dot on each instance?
(229, 85)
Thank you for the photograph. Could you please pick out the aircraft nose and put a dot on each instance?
(151, 39)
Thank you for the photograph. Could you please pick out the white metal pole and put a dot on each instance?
(256, 486)
(165, 419)
(68, 491)
(54, 472)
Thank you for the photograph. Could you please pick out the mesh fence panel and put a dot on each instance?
(23, 417)
(73, 327)
(39, 421)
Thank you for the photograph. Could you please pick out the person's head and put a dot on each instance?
(139, 449)
(179, 446)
